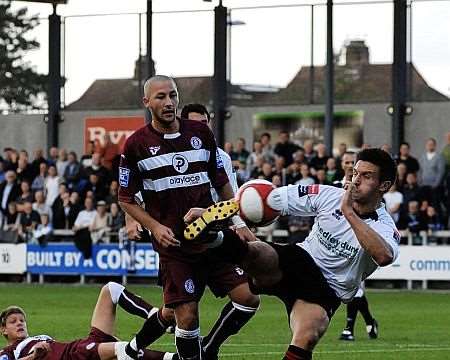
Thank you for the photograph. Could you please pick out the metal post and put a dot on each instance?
(139, 64)
(220, 72)
(54, 74)
(150, 67)
(329, 82)
(399, 74)
(311, 69)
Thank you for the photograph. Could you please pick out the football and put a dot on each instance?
(253, 207)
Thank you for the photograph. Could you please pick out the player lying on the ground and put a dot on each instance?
(352, 235)
(100, 344)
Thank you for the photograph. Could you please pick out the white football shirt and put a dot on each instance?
(332, 243)
(229, 169)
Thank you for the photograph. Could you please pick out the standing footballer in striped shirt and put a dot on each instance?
(173, 164)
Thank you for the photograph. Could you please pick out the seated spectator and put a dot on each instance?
(103, 174)
(96, 187)
(309, 153)
(280, 169)
(72, 173)
(86, 159)
(39, 181)
(62, 162)
(65, 212)
(402, 173)
(433, 220)
(299, 228)
(276, 180)
(9, 190)
(9, 231)
(240, 154)
(40, 205)
(342, 149)
(251, 159)
(10, 158)
(257, 168)
(387, 148)
(99, 227)
(228, 148)
(109, 152)
(411, 190)
(25, 196)
(2, 171)
(321, 177)
(267, 150)
(116, 221)
(44, 231)
(299, 157)
(412, 220)
(293, 173)
(29, 219)
(51, 185)
(112, 196)
(52, 156)
(306, 179)
(267, 172)
(331, 173)
(320, 160)
(84, 220)
(394, 201)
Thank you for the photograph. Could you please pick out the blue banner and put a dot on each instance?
(107, 259)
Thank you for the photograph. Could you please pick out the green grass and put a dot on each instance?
(413, 325)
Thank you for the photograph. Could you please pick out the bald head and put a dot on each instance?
(154, 79)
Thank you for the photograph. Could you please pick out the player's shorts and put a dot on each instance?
(302, 280)
(87, 348)
(185, 281)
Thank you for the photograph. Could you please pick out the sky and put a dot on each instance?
(268, 49)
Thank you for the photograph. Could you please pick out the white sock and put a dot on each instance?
(115, 290)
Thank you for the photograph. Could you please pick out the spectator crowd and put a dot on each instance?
(64, 192)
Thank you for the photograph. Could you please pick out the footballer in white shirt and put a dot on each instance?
(352, 236)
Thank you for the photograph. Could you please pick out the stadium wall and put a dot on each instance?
(427, 120)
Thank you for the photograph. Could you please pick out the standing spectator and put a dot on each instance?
(2, 171)
(116, 221)
(10, 158)
(112, 196)
(320, 160)
(240, 154)
(446, 153)
(39, 181)
(402, 172)
(37, 161)
(267, 148)
(99, 226)
(251, 159)
(285, 148)
(109, 152)
(342, 149)
(51, 185)
(404, 157)
(96, 187)
(104, 175)
(9, 231)
(308, 145)
(85, 218)
(24, 171)
(25, 196)
(29, 219)
(40, 206)
(62, 162)
(9, 190)
(387, 148)
(306, 179)
(86, 159)
(52, 156)
(394, 201)
(60, 210)
(432, 170)
(72, 173)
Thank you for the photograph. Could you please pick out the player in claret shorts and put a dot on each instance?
(100, 344)
(352, 236)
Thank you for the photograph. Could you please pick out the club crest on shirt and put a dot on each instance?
(154, 149)
(196, 143)
(124, 176)
(4, 357)
(189, 286)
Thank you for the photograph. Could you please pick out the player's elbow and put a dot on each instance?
(385, 259)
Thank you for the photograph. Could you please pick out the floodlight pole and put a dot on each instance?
(399, 74)
(329, 82)
(54, 75)
(220, 72)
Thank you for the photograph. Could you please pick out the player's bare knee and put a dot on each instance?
(186, 316)
(307, 338)
(168, 315)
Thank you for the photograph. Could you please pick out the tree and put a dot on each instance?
(20, 84)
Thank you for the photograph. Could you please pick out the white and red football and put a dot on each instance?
(253, 207)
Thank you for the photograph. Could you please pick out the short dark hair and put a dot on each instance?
(194, 107)
(382, 159)
(265, 134)
(405, 143)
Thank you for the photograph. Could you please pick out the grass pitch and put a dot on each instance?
(413, 325)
